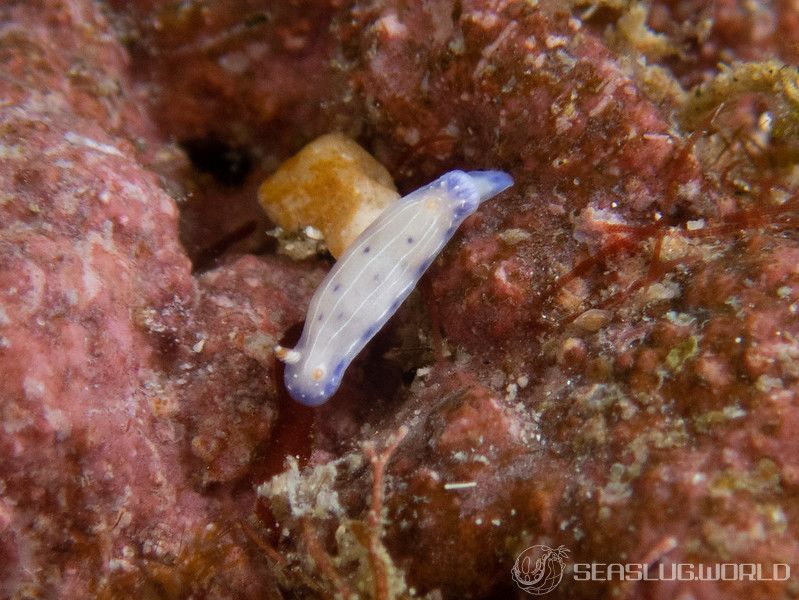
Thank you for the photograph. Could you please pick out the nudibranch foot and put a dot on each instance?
(375, 274)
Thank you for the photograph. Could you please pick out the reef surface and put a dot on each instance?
(605, 357)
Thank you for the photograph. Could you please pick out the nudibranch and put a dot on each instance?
(375, 274)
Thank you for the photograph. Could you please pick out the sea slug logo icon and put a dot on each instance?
(539, 569)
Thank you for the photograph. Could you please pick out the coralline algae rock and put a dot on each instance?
(606, 360)
(99, 419)
(225, 368)
(332, 185)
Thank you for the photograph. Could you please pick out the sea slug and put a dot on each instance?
(375, 274)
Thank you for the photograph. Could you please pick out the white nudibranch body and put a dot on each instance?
(376, 273)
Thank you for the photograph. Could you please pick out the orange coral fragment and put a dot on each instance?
(332, 184)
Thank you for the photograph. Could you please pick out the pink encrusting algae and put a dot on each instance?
(603, 359)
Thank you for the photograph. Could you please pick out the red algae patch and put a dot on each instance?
(605, 359)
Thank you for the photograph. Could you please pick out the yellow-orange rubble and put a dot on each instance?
(332, 184)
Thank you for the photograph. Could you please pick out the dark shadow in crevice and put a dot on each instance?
(220, 215)
(226, 163)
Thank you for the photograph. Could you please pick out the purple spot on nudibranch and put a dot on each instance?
(366, 249)
(410, 240)
(337, 287)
